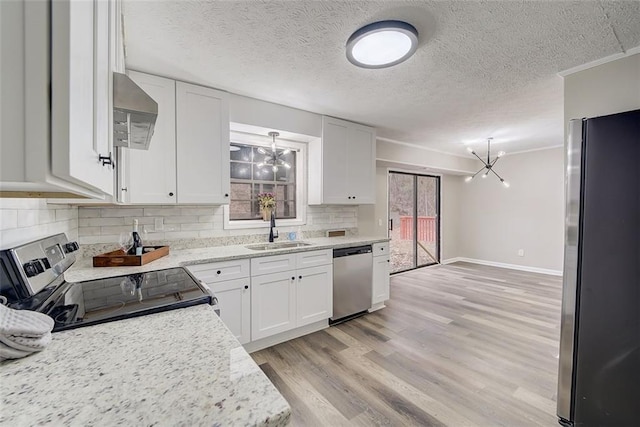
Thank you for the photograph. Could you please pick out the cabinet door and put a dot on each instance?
(362, 158)
(234, 298)
(380, 279)
(152, 173)
(314, 294)
(80, 73)
(335, 137)
(273, 304)
(202, 144)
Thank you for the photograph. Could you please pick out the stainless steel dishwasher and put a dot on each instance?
(352, 282)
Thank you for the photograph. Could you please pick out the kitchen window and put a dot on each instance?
(250, 176)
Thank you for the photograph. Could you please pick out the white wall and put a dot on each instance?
(372, 219)
(495, 222)
(24, 220)
(609, 88)
(274, 116)
(435, 161)
(450, 208)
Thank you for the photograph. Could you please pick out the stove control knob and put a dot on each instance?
(30, 269)
(33, 268)
(71, 247)
(45, 262)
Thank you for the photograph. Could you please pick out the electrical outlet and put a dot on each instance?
(520, 252)
(158, 224)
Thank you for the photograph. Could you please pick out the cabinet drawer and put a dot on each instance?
(380, 249)
(220, 271)
(273, 264)
(314, 258)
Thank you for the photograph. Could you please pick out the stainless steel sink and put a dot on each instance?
(276, 245)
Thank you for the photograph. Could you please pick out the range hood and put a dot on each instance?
(134, 114)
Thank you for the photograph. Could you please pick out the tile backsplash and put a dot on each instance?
(24, 220)
(192, 226)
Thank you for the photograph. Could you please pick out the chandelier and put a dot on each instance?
(273, 158)
(488, 165)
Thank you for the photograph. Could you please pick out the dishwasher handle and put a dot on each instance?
(338, 253)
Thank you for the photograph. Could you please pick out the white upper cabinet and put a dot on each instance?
(342, 164)
(188, 159)
(56, 109)
(202, 144)
(151, 173)
(81, 93)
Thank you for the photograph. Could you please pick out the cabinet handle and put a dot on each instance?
(300, 277)
(170, 194)
(354, 197)
(246, 286)
(349, 197)
(226, 194)
(293, 278)
(124, 189)
(106, 160)
(218, 272)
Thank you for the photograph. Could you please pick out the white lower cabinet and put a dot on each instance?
(273, 304)
(234, 299)
(380, 273)
(230, 282)
(314, 294)
(285, 300)
(380, 279)
(265, 296)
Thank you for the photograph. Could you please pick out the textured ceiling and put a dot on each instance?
(482, 68)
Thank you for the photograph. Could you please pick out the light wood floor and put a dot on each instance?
(457, 345)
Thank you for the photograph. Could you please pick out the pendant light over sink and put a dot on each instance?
(272, 158)
(382, 44)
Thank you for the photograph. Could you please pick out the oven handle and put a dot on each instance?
(215, 305)
(214, 300)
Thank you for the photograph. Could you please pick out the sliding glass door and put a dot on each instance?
(414, 220)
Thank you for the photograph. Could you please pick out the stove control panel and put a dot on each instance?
(35, 265)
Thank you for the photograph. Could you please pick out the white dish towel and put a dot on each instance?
(23, 332)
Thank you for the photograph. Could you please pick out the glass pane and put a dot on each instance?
(243, 154)
(240, 210)
(264, 173)
(240, 170)
(401, 211)
(427, 235)
(241, 191)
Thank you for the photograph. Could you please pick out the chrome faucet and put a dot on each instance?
(273, 233)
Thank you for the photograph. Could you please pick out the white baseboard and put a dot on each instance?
(504, 265)
(285, 336)
(377, 306)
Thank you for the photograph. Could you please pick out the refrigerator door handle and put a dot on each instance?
(570, 280)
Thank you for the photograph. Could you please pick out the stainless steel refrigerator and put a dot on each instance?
(599, 375)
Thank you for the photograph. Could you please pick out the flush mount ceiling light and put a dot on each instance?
(488, 165)
(382, 44)
(272, 158)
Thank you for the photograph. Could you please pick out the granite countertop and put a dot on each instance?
(83, 269)
(180, 367)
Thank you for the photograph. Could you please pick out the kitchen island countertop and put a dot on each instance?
(180, 367)
(83, 269)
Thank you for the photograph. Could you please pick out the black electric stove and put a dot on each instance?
(73, 305)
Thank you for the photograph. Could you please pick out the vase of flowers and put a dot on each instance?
(267, 204)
